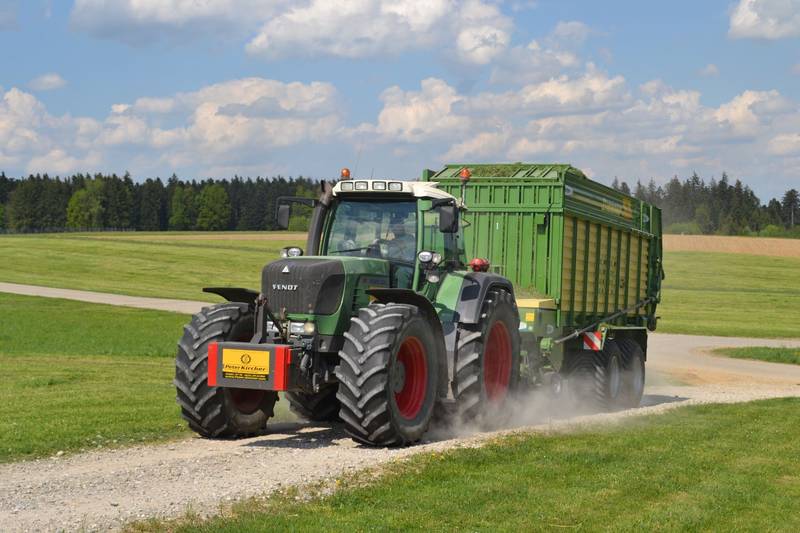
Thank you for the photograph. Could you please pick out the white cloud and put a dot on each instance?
(144, 21)
(785, 144)
(238, 122)
(571, 33)
(765, 19)
(796, 69)
(47, 82)
(595, 120)
(537, 62)
(419, 116)
(709, 71)
(475, 30)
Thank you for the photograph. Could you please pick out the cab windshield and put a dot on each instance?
(381, 229)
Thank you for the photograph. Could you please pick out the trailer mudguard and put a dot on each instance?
(234, 294)
(407, 296)
(473, 292)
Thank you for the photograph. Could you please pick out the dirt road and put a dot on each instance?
(159, 304)
(104, 489)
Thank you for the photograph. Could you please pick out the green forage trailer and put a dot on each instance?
(585, 261)
(446, 295)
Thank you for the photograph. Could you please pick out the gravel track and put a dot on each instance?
(104, 489)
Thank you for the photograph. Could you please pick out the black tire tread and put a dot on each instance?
(201, 405)
(364, 373)
(630, 349)
(467, 383)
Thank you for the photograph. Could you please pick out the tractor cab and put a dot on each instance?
(413, 227)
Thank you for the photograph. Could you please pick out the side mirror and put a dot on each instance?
(448, 219)
(282, 219)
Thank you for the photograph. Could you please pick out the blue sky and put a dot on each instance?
(259, 87)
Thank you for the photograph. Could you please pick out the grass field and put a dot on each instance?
(169, 265)
(702, 468)
(790, 356)
(731, 294)
(79, 375)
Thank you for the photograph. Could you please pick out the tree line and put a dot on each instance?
(719, 207)
(40, 203)
(101, 202)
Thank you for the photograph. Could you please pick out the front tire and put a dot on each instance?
(216, 412)
(387, 375)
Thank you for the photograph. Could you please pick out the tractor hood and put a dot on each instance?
(317, 285)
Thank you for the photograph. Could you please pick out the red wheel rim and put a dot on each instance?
(497, 362)
(413, 365)
(247, 401)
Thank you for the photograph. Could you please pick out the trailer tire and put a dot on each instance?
(487, 360)
(217, 412)
(596, 377)
(387, 375)
(633, 377)
(321, 406)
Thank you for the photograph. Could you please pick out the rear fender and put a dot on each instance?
(409, 297)
(473, 292)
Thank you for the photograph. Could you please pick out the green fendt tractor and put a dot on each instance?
(406, 305)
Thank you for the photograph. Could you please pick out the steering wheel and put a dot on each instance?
(374, 249)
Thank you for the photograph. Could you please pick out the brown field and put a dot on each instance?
(733, 245)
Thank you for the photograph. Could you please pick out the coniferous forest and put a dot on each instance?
(40, 203)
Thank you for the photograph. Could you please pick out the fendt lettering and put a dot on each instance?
(410, 306)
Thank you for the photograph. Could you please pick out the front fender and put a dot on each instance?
(234, 294)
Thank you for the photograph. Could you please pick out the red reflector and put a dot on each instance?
(479, 265)
(213, 358)
(283, 357)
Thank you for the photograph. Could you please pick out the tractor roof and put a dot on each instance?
(417, 189)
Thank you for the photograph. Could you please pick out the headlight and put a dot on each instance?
(425, 257)
(291, 251)
(309, 328)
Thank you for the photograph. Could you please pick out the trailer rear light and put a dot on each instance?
(395, 186)
(379, 185)
(479, 265)
(362, 186)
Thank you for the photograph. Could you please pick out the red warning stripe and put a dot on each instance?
(213, 358)
(593, 341)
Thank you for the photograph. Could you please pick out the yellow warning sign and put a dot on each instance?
(245, 364)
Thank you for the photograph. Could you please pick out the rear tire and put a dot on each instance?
(321, 406)
(387, 375)
(216, 411)
(633, 375)
(487, 359)
(595, 378)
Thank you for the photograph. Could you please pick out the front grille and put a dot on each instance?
(303, 285)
